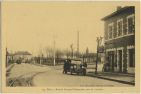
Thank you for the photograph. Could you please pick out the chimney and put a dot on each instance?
(118, 8)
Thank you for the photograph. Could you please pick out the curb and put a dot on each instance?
(129, 75)
(8, 69)
(120, 81)
(31, 82)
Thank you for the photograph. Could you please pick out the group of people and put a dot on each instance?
(66, 67)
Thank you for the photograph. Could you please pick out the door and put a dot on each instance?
(111, 59)
(131, 58)
(120, 60)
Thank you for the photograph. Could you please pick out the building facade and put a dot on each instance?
(23, 55)
(119, 38)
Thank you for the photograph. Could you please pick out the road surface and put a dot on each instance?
(50, 76)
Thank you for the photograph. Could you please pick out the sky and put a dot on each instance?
(31, 26)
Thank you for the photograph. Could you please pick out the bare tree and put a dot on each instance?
(67, 53)
(59, 53)
(49, 52)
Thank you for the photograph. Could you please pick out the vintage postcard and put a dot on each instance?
(70, 46)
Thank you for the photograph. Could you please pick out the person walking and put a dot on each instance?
(65, 67)
(84, 68)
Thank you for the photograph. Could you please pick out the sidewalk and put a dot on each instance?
(118, 77)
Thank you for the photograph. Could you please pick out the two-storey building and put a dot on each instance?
(120, 39)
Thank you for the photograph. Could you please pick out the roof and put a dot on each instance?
(22, 53)
(9, 54)
(121, 10)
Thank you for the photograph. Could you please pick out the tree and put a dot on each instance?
(49, 52)
(67, 53)
(59, 53)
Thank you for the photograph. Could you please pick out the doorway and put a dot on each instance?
(131, 58)
(111, 60)
(120, 65)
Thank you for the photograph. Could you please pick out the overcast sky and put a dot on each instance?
(31, 26)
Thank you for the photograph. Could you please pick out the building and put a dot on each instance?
(89, 57)
(9, 58)
(119, 38)
(23, 55)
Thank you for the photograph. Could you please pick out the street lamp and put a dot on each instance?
(99, 40)
(71, 46)
(54, 52)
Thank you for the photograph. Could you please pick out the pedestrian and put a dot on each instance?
(68, 64)
(84, 68)
(65, 66)
(104, 67)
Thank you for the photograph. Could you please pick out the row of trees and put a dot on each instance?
(48, 52)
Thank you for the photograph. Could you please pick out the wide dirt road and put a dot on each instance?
(52, 76)
(55, 77)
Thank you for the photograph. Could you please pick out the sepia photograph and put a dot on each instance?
(70, 44)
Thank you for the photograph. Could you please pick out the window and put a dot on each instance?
(119, 27)
(130, 24)
(110, 30)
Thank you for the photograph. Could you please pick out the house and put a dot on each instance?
(119, 35)
(23, 55)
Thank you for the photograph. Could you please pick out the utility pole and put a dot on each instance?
(77, 44)
(71, 46)
(40, 59)
(99, 40)
(54, 61)
(40, 54)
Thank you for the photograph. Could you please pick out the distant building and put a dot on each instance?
(23, 55)
(120, 39)
(9, 58)
(89, 57)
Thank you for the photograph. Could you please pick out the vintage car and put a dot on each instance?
(77, 67)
